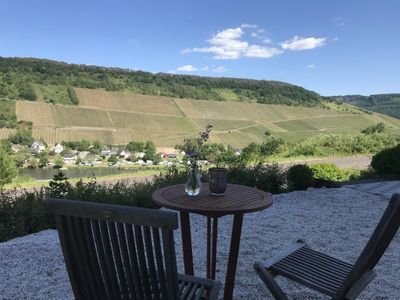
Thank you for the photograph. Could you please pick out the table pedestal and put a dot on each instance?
(212, 237)
(237, 201)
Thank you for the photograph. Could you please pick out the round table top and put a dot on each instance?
(237, 199)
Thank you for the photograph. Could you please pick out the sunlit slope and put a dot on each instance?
(117, 118)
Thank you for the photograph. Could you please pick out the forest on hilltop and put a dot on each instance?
(20, 77)
(388, 104)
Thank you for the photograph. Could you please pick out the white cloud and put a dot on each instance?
(254, 35)
(261, 52)
(298, 43)
(245, 25)
(229, 44)
(205, 68)
(311, 66)
(220, 69)
(187, 68)
(339, 21)
(267, 41)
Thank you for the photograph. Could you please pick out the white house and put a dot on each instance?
(37, 147)
(58, 149)
(125, 154)
(139, 154)
(105, 151)
(70, 158)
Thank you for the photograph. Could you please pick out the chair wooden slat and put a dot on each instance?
(93, 259)
(329, 275)
(77, 233)
(123, 285)
(134, 261)
(125, 260)
(109, 259)
(102, 258)
(145, 278)
(155, 290)
(160, 262)
(116, 252)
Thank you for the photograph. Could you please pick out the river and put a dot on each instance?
(46, 174)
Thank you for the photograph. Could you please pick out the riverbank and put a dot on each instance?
(135, 174)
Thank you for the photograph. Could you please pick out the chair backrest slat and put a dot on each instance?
(101, 256)
(144, 272)
(109, 260)
(125, 259)
(134, 261)
(160, 263)
(376, 246)
(93, 259)
(116, 252)
(114, 237)
(81, 247)
(151, 263)
(170, 264)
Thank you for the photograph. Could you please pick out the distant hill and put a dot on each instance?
(33, 79)
(388, 104)
(115, 106)
(121, 117)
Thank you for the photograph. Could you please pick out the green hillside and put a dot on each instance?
(121, 117)
(50, 81)
(388, 104)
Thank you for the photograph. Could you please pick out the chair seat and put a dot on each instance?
(314, 269)
(195, 288)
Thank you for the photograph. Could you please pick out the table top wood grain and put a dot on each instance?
(237, 199)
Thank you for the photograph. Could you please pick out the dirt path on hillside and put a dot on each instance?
(361, 162)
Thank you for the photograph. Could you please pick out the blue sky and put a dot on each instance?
(331, 47)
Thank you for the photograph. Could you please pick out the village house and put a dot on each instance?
(37, 147)
(58, 149)
(105, 151)
(139, 154)
(83, 154)
(125, 154)
(69, 158)
(115, 151)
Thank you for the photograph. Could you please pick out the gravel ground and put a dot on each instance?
(336, 221)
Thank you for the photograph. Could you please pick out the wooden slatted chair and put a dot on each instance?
(120, 252)
(327, 274)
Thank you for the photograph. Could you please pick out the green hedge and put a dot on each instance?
(387, 161)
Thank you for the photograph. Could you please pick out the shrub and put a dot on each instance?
(300, 177)
(328, 171)
(23, 213)
(387, 161)
(270, 178)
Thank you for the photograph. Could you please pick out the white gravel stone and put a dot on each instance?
(336, 221)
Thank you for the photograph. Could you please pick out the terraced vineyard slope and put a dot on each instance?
(120, 117)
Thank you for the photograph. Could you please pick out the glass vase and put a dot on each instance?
(193, 185)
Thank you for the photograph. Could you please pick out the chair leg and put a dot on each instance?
(268, 278)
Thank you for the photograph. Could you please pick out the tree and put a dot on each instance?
(43, 161)
(135, 146)
(58, 162)
(8, 170)
(378, 128)
(150, 151)
(113, 159)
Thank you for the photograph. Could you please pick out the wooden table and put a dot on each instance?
(237, 201)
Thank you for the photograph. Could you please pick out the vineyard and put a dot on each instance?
(117, 118)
